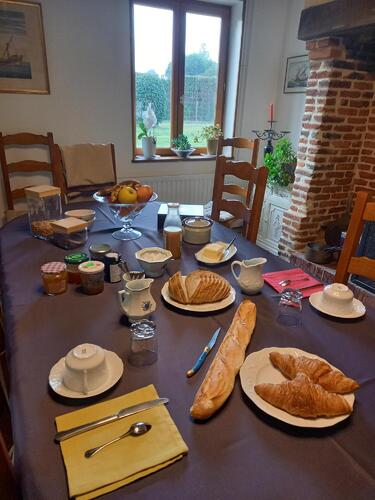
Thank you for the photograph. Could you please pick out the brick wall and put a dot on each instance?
(336, 153)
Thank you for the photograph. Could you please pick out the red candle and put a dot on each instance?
(271, 112)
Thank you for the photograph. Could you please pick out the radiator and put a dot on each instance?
(182, 188)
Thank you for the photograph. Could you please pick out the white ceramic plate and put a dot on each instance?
(212, 262)
(358, 308)
(258, 369)
(115, 367)
(213, 306)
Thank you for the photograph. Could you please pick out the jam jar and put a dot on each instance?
(72, 261)
(55, 278)
(92, 277)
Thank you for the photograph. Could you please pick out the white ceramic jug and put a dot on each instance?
(250, 278)
(136, 300)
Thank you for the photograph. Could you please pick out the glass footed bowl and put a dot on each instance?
(124, 213)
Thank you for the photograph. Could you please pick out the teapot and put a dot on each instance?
(136, 300)
(250, 278)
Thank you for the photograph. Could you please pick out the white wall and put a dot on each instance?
(88, 52)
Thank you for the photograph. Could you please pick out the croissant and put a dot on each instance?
(318, 371)
(303, 398)
(200, 287)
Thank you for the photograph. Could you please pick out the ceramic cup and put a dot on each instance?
(153, 260)
(337, 299)
(85, 368)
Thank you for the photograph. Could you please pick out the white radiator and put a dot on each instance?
(182, 188)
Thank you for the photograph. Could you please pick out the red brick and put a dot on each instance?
(311, 92)
(350, 93)
(369, 144)
(328, 93)
(340, 84)
(347, 111)
(359, 103)
(367, 175)
(326, 118)
(325, 53)
(368, 159)
(344, 128)
(357, 120)
(363, 85)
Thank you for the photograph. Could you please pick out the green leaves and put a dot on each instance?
(181, 142)
(143, 132)
(209, 132)
(281, 163)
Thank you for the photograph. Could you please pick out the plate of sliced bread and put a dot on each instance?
(199, 291)
(297, 387)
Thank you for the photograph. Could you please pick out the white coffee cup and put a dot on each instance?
(337, 299)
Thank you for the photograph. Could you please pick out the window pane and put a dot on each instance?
(153, 34)
(202, 47)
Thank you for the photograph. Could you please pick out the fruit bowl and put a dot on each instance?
(124, 213)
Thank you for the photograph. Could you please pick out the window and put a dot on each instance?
(179, 66)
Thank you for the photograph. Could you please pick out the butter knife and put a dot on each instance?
(125, 412)
(204, 354)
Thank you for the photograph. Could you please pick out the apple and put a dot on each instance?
(144, 193)
(127, 195)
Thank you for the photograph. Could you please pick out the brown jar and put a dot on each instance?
(92, 277)
(55, 278)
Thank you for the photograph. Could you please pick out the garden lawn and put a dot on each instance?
(162, 133)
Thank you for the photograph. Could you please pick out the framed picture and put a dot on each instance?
(23, 61)
(296, 74)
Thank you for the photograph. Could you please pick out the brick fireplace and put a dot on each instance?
(336, 152)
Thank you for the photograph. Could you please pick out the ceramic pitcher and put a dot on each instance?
(250, 278)
(136, 300)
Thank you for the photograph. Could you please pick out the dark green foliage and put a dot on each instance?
(181, 142)
(150, 88)
(281, 163)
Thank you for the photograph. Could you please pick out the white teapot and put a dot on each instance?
(250, 278)
(136, 300)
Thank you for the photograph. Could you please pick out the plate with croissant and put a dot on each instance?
(297, 387)
(199, 291)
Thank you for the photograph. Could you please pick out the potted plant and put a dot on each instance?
(146, 126)
(211, 134)
(281, 164)
(182, 146)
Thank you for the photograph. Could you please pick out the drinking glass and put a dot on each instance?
(290, 307)
(144, 346)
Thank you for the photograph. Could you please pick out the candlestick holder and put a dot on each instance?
(269, 135)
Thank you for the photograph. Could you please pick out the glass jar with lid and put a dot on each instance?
(54, 277)
(92, 277)
(44, 206)
(69, 233)
(72, 261)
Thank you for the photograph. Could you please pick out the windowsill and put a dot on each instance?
(171, 158)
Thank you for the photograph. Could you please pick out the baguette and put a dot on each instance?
(219, 380)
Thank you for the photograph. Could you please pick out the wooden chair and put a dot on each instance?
(83, 192)
(240, 143)
(364, 210)
(255, 177)
(23, 140)
(8, 485)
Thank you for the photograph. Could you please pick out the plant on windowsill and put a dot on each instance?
(182, 146)
(211, 134)
(281, 164)
(147, 133)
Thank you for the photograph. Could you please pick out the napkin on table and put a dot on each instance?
(125, 461)
(298, 282)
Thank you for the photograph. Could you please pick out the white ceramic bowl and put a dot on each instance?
(84, 214)
(153, 260)
(337, 299)
(85, 368)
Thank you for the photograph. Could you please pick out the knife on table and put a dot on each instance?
(204, 354)
(125, 412)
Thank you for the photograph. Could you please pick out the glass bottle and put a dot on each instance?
(172, 230)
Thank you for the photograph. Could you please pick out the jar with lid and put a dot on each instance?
(43, 206)
(114, 269)
(98, 251)
(92, 277)
(54, 277)
(72, 261)
(69, 233)
(172, 230)
(197, 230)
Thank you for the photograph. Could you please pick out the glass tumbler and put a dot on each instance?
(290, 307)
(144, 347)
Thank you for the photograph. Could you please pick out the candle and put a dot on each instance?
(271, 112)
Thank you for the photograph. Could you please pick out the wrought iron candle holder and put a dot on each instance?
(269, 135)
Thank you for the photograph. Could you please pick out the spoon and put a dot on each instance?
(287, 282)
(136, 429)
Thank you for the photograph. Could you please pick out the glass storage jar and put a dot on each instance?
(72, 261)
(44, 206)
(54, 276)
(92, 277)
(69, 233)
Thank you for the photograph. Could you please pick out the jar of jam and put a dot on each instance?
(55, 277)
(92, 277)
(72, 261)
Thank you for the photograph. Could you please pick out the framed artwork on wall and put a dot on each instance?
(23, 61)
(296, 74)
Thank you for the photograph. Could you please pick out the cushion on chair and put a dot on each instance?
(225, 217)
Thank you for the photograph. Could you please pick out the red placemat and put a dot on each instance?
(300, 280)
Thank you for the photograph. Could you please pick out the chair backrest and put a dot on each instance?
(255, 177)
(27, 166)
(240, 143)
(364, 210)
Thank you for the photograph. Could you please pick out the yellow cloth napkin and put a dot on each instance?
(126, 460)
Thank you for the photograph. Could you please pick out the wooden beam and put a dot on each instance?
(340, 17)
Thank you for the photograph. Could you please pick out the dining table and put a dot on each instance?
(241, 452)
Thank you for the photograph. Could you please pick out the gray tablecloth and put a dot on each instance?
(241, 452)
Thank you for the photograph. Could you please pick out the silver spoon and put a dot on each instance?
(287, 282)
(136, 429)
